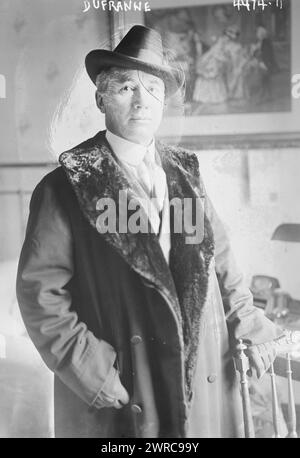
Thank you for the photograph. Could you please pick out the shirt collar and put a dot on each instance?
(129, 152)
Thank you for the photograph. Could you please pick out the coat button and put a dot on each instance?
(136, 408)
(136, 339)
(211, 378)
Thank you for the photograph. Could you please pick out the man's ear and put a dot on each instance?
(99, 102)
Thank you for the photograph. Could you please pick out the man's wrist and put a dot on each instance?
(107, 394)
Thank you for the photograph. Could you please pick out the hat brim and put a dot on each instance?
(101, 59)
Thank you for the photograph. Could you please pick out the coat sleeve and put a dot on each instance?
(244, 320)
(83, 362)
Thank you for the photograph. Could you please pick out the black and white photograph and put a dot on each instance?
(150, 230)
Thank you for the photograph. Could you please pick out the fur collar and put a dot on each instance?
(95, 172)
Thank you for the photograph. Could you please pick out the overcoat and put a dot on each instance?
(95, 302)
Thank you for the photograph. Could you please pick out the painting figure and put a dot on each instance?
(236, 62)
(210, 85)
(221, 70)
(263, 51)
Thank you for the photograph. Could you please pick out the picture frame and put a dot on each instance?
(278, 127)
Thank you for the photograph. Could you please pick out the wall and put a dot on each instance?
(254, 191)
(42, 47)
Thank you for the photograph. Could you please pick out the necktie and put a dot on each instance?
(143, 174)
(152, 180)
(157, 181)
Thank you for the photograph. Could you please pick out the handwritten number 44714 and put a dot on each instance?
(252, 4)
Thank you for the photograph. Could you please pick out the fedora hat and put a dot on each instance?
(140, 49)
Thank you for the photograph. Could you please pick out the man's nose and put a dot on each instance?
(141, 98)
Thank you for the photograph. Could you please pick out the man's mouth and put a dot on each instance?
(140, 119)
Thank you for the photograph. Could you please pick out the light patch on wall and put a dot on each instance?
(264, 177)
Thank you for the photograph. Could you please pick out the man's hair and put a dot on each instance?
(107, 75)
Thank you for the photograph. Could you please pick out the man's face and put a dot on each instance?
(133, 105)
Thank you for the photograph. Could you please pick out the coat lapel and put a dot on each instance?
(189, 263)
(94, 173)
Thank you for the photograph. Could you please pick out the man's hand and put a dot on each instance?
(260, 357)
(113, 393)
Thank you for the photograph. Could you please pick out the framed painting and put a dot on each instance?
(238, 64)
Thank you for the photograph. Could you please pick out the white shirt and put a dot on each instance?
(129, 153)
(143, 164)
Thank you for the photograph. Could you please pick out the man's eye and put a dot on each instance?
(126, 88)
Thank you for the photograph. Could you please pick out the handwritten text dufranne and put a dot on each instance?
(110, 5)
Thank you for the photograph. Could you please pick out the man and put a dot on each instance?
(132, 322)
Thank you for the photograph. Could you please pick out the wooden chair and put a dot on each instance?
(287, 364)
